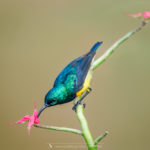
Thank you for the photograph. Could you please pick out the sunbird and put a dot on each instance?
(73, 81)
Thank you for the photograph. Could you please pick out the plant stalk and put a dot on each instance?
(64, 129)
(85, 129)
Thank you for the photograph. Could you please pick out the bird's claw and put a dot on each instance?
(78, 103)
(83, 104)
(88, 90)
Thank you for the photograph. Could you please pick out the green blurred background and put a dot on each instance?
(39, 37)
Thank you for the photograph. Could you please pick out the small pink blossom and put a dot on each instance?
(146, 15)
(32, 119)
(135, 15)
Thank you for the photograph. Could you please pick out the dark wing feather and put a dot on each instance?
(74, 74)
(83, 68)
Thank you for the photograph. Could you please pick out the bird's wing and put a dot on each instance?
(73, 75)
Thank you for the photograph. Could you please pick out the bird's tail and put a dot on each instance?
(95, 47)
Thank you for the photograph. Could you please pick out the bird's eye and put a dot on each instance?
(53, 100)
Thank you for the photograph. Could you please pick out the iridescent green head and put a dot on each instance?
(54, 97)
(51, 97)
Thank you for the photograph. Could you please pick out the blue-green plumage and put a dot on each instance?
(70, 80)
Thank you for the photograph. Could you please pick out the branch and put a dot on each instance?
(98, 139)
(85, 129)
(110, 50)
(64, 129)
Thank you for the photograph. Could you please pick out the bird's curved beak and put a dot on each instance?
(45, 106)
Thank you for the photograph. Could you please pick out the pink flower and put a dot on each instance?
(32, 119)
(135, 15)
(146, 15)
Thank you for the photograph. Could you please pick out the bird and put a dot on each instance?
(73, 81)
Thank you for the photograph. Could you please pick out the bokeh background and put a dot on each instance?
(39, 37)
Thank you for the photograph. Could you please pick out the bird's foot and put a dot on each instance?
(83, 104)
(88, 90)
(74, 108)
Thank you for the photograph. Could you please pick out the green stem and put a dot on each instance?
(110, 50)
(98, 139)
(64, 129)
(85, 129)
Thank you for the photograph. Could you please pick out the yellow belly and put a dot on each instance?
(86, 84)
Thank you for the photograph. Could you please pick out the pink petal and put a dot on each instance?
(147, 14)
(36, 120)
(22, 120)
(135, 15)
(30, 124)
(35, 114)
(32, 119)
